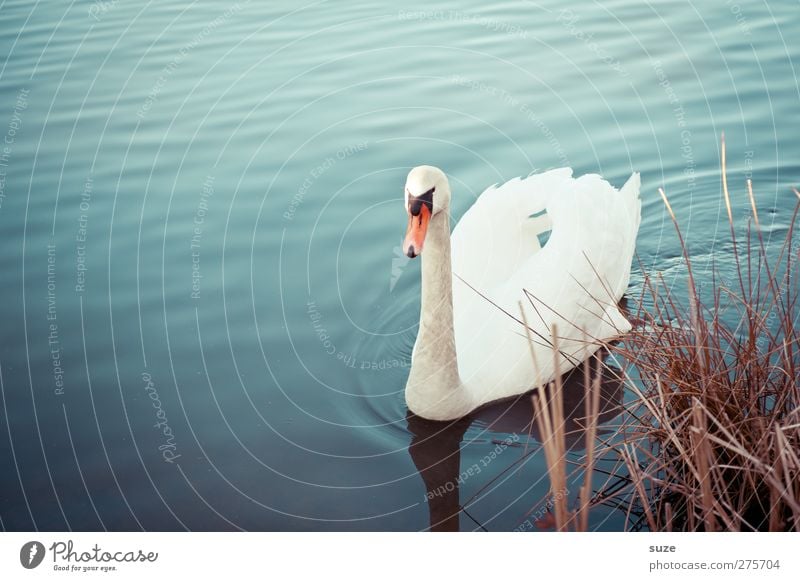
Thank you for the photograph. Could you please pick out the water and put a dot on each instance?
(206, 318)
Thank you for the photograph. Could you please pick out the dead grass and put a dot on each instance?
(711, 440)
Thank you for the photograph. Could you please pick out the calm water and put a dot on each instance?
(206, 320)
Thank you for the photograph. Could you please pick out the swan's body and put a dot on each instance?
(472, 347)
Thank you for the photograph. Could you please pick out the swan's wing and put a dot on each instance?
(595, 226)
(584, 269)
(497, 235)
(575, 282)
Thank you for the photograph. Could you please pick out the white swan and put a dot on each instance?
(472, 348)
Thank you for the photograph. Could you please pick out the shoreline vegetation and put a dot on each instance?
(709, 438)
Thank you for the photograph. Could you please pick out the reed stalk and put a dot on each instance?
(710, 441)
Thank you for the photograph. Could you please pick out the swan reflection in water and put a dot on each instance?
(436, 446)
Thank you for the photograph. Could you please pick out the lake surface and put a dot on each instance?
(207, 320)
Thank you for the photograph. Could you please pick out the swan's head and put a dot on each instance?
(427, 193)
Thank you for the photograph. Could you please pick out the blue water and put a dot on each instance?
(207, 321)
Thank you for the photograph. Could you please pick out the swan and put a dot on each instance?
(472, 347)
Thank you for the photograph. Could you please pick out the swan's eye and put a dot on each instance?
(415, 202)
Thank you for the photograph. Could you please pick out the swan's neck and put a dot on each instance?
(434, 388)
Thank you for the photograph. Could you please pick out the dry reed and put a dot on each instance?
(710, 441)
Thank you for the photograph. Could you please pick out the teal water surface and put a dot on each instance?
(207, 319)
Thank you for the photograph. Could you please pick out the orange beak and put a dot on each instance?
(415, 235)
